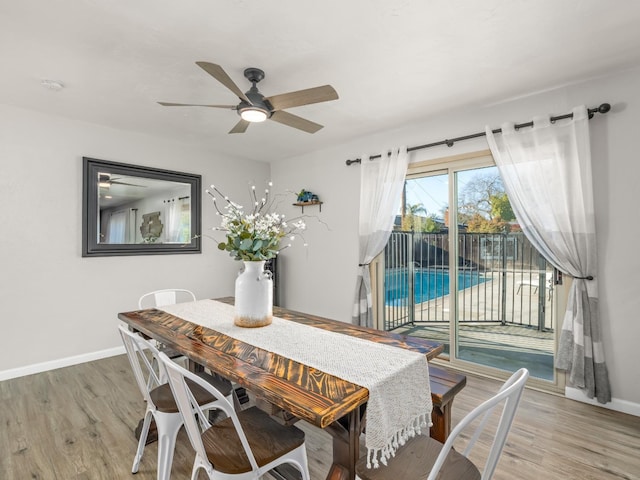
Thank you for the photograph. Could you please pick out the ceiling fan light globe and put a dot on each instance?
(253, 115)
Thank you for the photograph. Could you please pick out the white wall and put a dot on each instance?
(54, 304)
(321, 279)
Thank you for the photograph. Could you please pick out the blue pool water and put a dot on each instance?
(429, 284)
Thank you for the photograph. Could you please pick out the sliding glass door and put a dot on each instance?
(459, 270)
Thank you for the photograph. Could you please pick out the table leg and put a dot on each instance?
(441, 419)
(346, 447)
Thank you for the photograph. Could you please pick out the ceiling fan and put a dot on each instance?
(255, 107)
(105, 181)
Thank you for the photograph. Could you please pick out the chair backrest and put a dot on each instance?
(190, 409)
(509, 397)
(145, 374)
(167, 296)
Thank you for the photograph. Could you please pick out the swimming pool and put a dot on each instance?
(429, 284)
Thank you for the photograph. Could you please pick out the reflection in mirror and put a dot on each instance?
(143, 210)
(132, 210)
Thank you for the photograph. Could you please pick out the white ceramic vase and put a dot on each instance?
(254, 296)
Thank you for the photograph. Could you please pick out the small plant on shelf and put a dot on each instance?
(307, 197)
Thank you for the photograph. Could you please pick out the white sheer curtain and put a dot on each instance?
(117, 227)
(381, 182)
(172, 215)
(546, 171)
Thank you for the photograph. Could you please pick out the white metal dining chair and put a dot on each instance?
(422, 457)
(243, 446)
(160, 404)
(167, 296)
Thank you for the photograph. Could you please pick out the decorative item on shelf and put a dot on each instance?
(306, 197)
(253, 237)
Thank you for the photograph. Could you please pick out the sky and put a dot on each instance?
(432, 191)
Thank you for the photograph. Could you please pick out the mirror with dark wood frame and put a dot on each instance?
(135, 210)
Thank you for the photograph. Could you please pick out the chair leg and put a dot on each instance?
(199, 464)
(297, 458)
(194, 472)
(143, 440)
(168, 426)
(304, 463)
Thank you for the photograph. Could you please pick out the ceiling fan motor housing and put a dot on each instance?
(258, 101)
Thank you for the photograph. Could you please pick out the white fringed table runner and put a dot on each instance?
(399, 402)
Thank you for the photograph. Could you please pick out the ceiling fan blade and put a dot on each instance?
(303, 97)
(240, 127)
(294, 121)
(113, 182)
(219, 74)
(169, 104)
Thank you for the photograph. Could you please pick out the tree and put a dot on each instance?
(415, 209)
(479, 224)
(484, 205)
(410, 216)
(475, 198)
(431, 225)
(419, 223)
(501, 207)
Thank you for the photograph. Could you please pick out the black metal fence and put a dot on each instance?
(501, 278)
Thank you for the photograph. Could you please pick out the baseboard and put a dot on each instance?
(59, 363)
(616, 404)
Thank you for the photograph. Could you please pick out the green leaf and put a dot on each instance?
(257, 245)
(222, 246)
(246, 244)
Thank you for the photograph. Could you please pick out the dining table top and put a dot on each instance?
(303, 391)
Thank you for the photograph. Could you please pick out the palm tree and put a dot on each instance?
(416, 208)
(412, 211)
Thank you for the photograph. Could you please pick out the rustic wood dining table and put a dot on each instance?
(301, 391)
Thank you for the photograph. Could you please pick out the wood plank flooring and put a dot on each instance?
(77, 423)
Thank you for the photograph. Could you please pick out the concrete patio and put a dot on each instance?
(498, 324)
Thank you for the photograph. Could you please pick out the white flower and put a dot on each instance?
(300, 225)
(254, 235)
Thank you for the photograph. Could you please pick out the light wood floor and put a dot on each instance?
(78, 422)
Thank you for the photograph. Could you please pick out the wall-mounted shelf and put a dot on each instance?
(306, 204)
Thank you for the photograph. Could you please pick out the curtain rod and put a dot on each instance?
(603, 108)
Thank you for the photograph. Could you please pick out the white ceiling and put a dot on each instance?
(392, 61)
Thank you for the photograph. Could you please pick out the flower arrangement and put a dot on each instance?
(255, 235)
